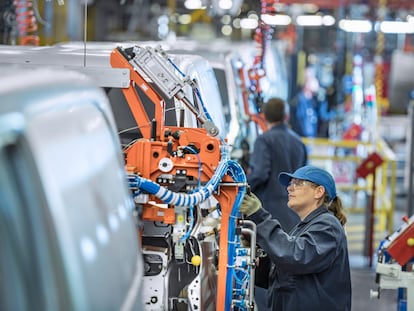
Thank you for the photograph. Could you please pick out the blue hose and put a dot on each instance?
(234, 170)
(238, 175)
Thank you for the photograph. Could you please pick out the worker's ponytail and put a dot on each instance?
(335, 206)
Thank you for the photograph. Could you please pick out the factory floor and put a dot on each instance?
(363, 275)
(363, 280)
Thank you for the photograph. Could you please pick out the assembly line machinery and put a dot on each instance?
(394, 266)
(187, 193)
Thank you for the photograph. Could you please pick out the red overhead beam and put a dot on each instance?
(325, 4)
(395, 4)
(332, 4)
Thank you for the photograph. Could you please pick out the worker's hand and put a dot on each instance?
(250, 205)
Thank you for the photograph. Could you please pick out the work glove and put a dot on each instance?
(250, 204)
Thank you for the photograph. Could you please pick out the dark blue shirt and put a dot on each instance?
(277, 150)
(308, 112)
(310, 265)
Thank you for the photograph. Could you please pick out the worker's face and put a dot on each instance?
(311, 82)
(302, 194)
(313, 85)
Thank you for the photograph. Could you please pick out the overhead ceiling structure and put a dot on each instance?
(400, 4)
(243, 7)
(333, 4)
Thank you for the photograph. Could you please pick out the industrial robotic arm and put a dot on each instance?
(188, 194)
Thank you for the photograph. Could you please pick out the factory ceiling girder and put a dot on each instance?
(333, 4)
(322, 4)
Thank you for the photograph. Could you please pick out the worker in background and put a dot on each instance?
(310, 108)
(278, 149)
(310, 265)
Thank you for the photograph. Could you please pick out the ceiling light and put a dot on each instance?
(193, 4)
(328, 20)
(253, 15)
(236, 23)
(248, 23)
(396, 27)
(353, 25)
(225, 4)
(276, 19)
(309, 20)
(184, 19)
(226, 30)
(226, 19)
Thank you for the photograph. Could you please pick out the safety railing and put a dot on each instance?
(341, 158)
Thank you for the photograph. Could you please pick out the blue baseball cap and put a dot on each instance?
(314, 174)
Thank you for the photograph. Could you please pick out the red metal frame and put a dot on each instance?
(142, 155)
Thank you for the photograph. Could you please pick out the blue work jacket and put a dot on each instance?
(277, 150)
(308, 112)
(310, 266)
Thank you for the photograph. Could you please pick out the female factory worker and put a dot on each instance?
(310, 267)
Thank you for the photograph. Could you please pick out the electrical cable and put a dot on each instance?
(187, 234)
(237, 173)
